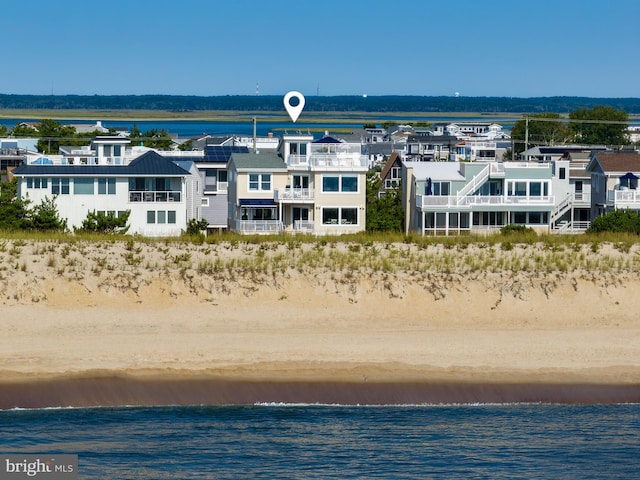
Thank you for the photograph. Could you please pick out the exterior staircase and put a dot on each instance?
(473, 185)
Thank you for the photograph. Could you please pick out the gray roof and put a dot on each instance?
(148, 164)
(258, 161)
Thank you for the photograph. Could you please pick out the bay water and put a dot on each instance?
(330, 441)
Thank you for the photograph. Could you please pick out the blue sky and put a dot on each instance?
(511, 48)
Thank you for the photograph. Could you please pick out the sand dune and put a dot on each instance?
(319, 313)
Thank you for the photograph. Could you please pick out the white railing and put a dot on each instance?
(625, 197)
(338, 160)
(294, 193)
(155, 196)
(444, 201)
(303, 226)
(562, 207)
(475, 182)
(216, 187)
(496, 168)
(526, 165)
(297, 160)
(258, 226)
(582, 197)
(571, 227)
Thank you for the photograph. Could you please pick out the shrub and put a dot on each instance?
(195, 227)
(105, 223)
(520, 229)
(616, 221)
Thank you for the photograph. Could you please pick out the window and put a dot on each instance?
(440, 188)
(349, 216)
(298, 149)
(330, 216)
(520, 218)
(161, 216)
(342, 216)
(37, 183)
(171, 216)
(330, 184)
(204, 202)
(151, 216)
(83, 186)
(260, 182)
(349, 183)
(59, 186)
(106, 186)
(339, 183)
(563, 173)
(535, 189)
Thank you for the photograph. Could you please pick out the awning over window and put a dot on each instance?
(257, 202)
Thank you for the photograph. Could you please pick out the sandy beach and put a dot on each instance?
(175, 323)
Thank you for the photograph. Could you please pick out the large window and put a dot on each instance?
(83, 186)
(59, 186)
(106, 186)
(340, 216)
(339, 183)
(260, 182)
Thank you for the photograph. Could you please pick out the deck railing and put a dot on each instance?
(294, 193)
(155, 196)
(258, 226)
(443, 201)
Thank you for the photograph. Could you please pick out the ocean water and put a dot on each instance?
(343, 442)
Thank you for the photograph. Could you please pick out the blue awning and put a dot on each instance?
(257, 202)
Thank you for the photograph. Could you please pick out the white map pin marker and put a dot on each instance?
(294, 111)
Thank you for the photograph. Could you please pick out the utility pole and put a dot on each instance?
(526, 137)
(255, 139)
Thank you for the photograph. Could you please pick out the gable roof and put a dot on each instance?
(258, 161)
(615, 162)
(394, 159)
(148, 164)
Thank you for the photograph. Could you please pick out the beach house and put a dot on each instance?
(315, 186)
(443, 198)
(614, 181)
(108, 176)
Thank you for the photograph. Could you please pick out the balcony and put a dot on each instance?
(294, 194)
(431, 202)
(258, 226)
(624, 199)
(155, 196)
(211, 185)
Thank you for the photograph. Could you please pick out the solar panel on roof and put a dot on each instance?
(222, 153)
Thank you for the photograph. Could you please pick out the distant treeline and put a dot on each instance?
(387, 103)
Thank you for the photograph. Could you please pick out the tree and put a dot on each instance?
(543, 129)
(153, 138)
(604, 125)
(186, 146)
(13, 210)
(100, 222)
(51, 133)
(45, 217)
(384, 213)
